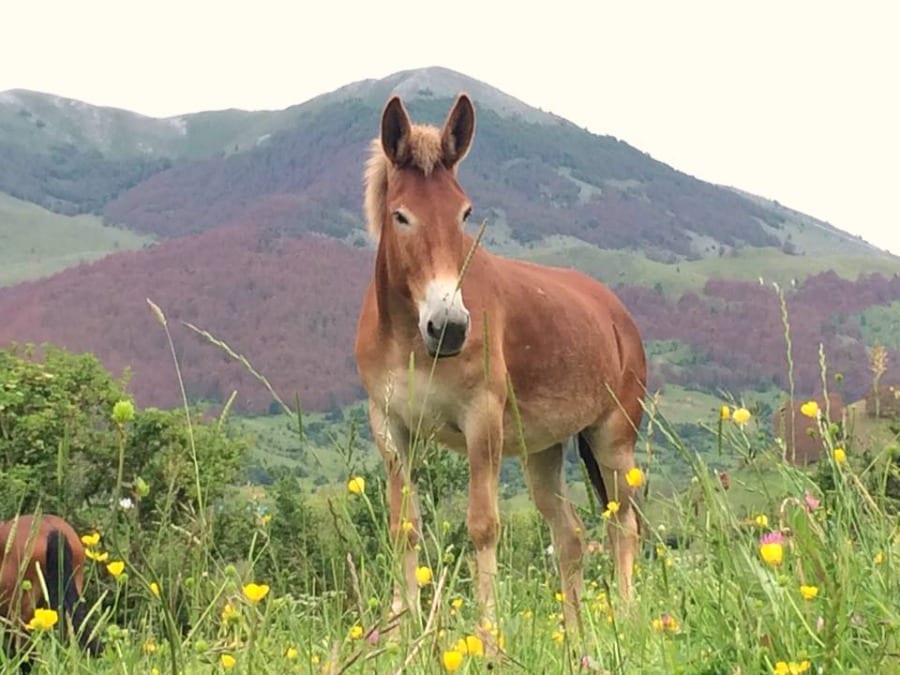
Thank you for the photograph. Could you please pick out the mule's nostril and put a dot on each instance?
(432, 330)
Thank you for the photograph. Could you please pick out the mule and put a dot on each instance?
(442, 354)
(48, 542)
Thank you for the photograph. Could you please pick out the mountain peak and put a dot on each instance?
(439, 82)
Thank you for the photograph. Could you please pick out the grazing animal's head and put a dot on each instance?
(414, 200)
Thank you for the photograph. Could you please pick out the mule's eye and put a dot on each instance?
(467, 213)
(400, 218)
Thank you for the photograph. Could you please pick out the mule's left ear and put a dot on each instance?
(395, 130)
(459, 129)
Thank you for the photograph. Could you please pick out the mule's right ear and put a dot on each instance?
(395, 130)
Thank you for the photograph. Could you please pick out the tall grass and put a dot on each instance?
(822, 596)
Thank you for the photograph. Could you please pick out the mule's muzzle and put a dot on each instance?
(446, 335)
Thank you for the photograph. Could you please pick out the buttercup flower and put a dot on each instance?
(291, 653)
(91, 554)
(154, 588)
(255, 592)
(456, 603)
(452, 660)
(762, 520)
(356, 632)
(724, 412)
(771, 548)
(423, 576)
(356, 485)
(471, 645)
(228, 661)
(810, 409)
(116, 567)
(741, 416)
(790, 667)
(43, 619)
(665, 624)
(809, 592)
(634, 477)
(612, 508)
(90, 540)
(840, 456)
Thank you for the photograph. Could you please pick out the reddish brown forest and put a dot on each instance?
(290, 305)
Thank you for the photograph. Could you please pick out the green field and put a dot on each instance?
(35, 242)
(770, 264)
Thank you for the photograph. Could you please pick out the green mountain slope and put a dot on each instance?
(35, 243)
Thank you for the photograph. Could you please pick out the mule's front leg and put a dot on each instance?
(484, 441)
(392, 438)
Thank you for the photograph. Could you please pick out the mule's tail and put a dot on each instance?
(596, 478)
(62, 594)
(593, 469)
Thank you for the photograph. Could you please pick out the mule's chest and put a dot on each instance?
(425, 402)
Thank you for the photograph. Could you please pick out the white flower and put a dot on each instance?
(126, 503)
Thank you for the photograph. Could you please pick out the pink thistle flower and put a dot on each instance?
(811, 502)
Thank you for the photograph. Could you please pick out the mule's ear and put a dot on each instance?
(395, 130)
(459, 129)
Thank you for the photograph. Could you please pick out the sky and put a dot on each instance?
(796, 101)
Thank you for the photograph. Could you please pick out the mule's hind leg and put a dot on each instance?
(544, 472)
(612, 443)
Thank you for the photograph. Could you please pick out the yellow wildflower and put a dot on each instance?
(406, 526)
(228, 661)
(558, 637)
(456, 603)
(809, 592)
(612, 508)
(724, 412)
(154, 588)
(229, 613)
(771, 548)
(90, 540)
(840, 456)
(879, 558)
(116, 567)
(356, 632)
(255, 592)
(452, 660)
(43, 619)
(665, 624)
(634, 477)
(356, 485)
(291, 653)
(471, 645)
(790, 668)
(91, 554)
(810, 409)
(150, 647)
(762, 520)
(741, 416)
(423, 575)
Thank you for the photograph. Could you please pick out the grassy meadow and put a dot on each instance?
(779, 569)
(35, 242)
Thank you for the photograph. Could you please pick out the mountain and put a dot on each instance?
(259, 238)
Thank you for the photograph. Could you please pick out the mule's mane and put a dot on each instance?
(424, 152)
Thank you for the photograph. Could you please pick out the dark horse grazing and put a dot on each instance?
(48, 542)
(436, 355)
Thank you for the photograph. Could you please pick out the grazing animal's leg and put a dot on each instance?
(544, 472)
(612, 443)
(392, 439)
(484, 442)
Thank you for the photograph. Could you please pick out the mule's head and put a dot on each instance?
(414, 200)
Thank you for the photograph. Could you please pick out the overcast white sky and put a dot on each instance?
(795, 101)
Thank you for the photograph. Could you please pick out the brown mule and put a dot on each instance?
(436, 356)
(48, 542)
